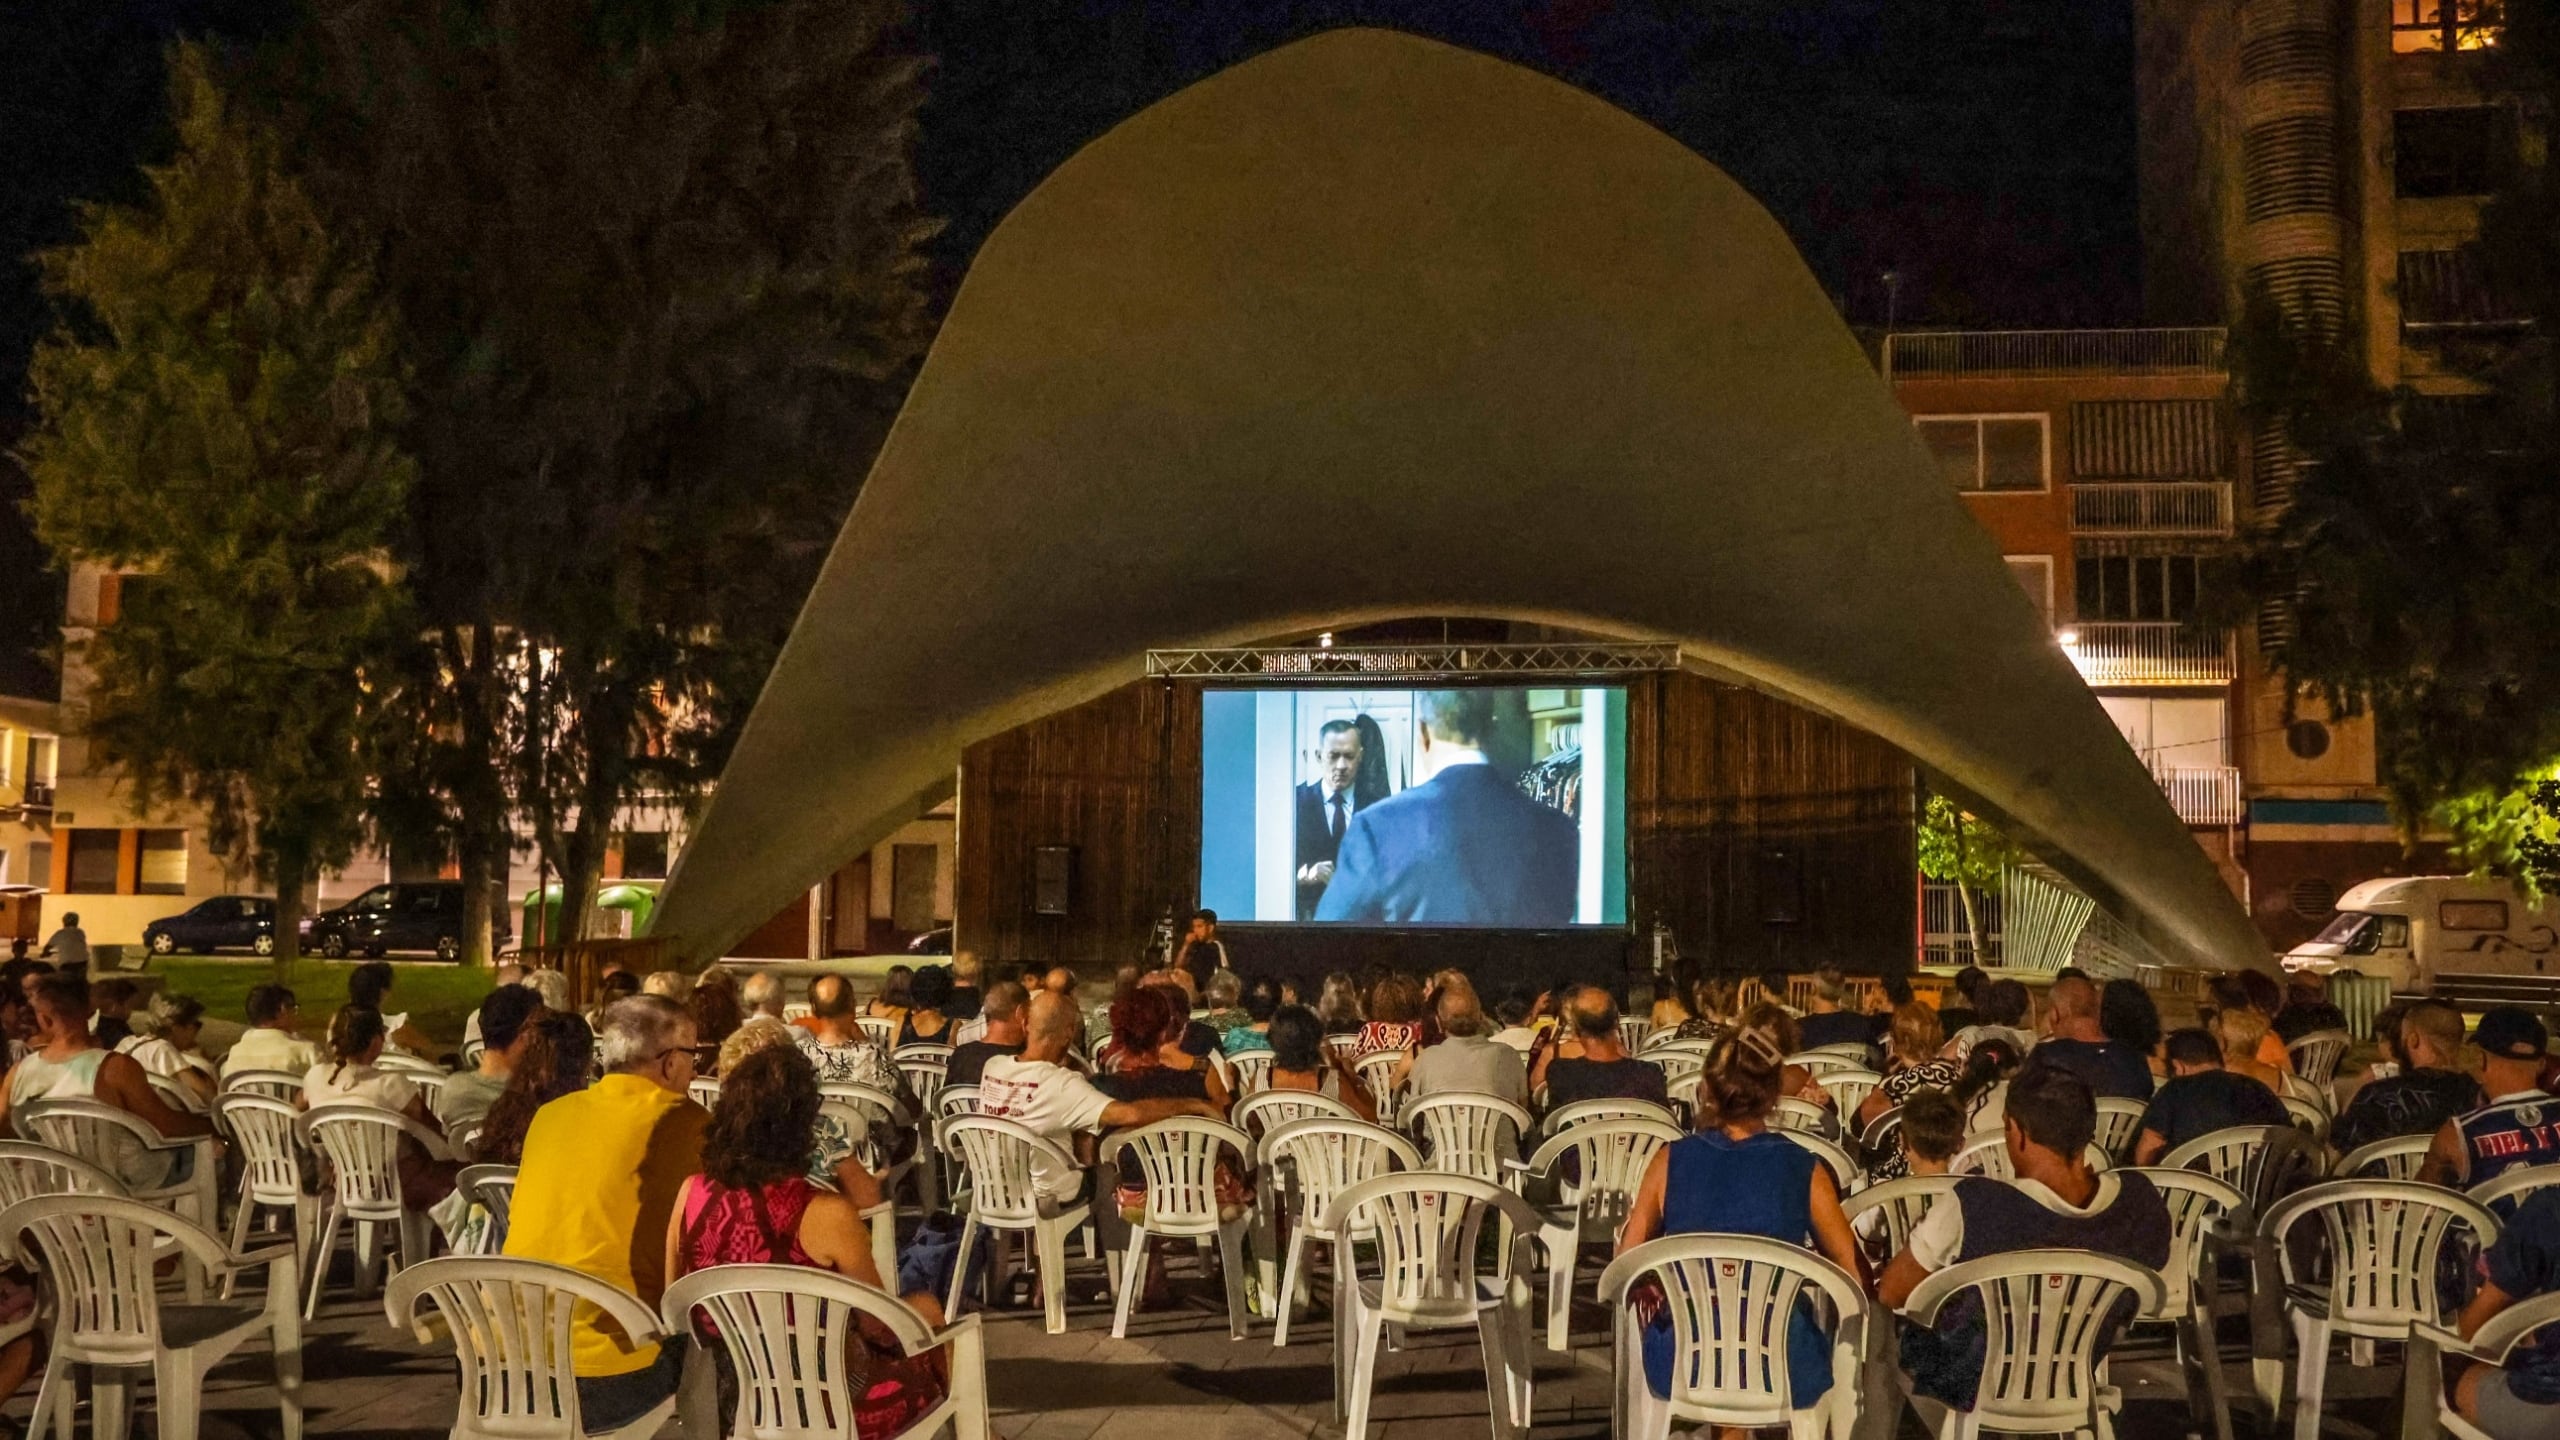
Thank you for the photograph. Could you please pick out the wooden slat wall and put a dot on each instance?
(1719, 777)
(1101, 777)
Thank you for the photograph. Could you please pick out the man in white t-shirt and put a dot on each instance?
(1034, 1090)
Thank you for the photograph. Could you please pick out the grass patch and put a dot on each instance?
(438, 997)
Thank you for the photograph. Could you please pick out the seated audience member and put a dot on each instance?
(2127, 1016)
(928, 1020)
(1603, 1070)
(667, 985)
(2002, 1015)
(1984, 1086)
(369, 988)
(2056, 1203)
(613, 986)
(1737, 1177)
(836, 1042)
(762, 997)
(1260, 1000)
(558, 1056)
(465, 1099)
(506, 973)
(596, 1191)
(1795, 1082)
(754, 1204)
(2429, 1090)
(1194, 1039)
(1338, 1005)
(895, 998)
(270, 1042)
(1828, 1020)
(2522, 1400)
(1512, 1014)
(2200, 1098)
(1912, 1067)
(1959, 1010)
(1671, 996)
(1467, 1058)
(1926, 1137)
(553, 987)
(113, 998)
(350, 1076)
(1300, 1060)
(2259, 995)
(2074, 1042)
(164, 1044)
(2307, 1010)
(1711, 1009)
(2242, 1033)
(2515, 1127)
(968, 988)
(1395, 1017)
(68, 1063)
(714, 1005)
(1776, 989)
(1035, 1090)
(1001, 1035)
(1148, 1023)
(1225, 1001)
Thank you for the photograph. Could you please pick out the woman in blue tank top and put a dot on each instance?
(1737, 1177)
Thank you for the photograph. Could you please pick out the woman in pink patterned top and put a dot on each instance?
(1395, 1017)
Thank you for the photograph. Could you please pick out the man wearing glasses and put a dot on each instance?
(601, 1172)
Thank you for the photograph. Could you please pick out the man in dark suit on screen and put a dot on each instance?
(1325, 808)
(1464, 847)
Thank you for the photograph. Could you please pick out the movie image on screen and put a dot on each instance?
(1493, 806)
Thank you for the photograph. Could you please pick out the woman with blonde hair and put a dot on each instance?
(1711, 1006)
(2240, 1033)
(1338, 1008)
(1912, 1064)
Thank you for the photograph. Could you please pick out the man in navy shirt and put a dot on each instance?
(2074, 1042)
(2521, 1401)
(2200, 1098)
(2519, 1126)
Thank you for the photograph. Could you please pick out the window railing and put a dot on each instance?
(1917, 354)
(38, 795)
(2149, 652)
(2202, 794)
(2176, 507)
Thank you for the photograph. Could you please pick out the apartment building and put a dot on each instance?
(30, 758)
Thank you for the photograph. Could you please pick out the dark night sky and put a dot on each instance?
(1985, 152)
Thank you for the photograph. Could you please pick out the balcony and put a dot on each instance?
(2202, 794)
(2199, 508)
(2149, 652)
(38, 795)
(1952, 354)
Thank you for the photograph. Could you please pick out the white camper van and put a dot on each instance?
(2419, 930)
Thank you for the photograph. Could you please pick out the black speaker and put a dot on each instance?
(1053, 872)
(1781, 885)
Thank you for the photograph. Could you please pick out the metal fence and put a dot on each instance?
(1944, 940)
(2187, 351)
(2174, 507)
(2149, 652)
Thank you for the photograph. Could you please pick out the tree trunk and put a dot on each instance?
(292, 872)
(480, 801)
(1973, 922)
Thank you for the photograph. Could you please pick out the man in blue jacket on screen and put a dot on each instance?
(1464, 846)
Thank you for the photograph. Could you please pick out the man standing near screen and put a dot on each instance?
(1463, 846)
(1325, 807)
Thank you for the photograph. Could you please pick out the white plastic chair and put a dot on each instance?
(1898, 1205)
(411, 1067)
(1265, 1111)
(112, 1139)
(879, 1031)
(2396, 1158)
(2197, 1202)
(2119, 1126)
(2384, 1239)
(1845, 1173)
(1675, 1063)
(1849, 1089)
(1729, 1299)
(1610, 1157)
(1180, 1160)
(1252, 1072)
(30, 1172)
(1320, 1157)
(787, 1330)
(362, 1145)
(2308, 1118)
(99, 1252)
(274, 1084)
(2043, 1314)
(2316, 1056)
(267, 1134)
(1002, 1197)
(1377, 1075)
(2493, 1344)
(509, 1320)
(2515, 1184)
(1634, 1031)
(493, 1189)
(1829, 1060)
(1790, 1113)
(1565, 1117)
(925, 1068)
(1468, 1133)
(1986, 1152)
(1430, 1277)
(704, 1090)
(2264, 1161)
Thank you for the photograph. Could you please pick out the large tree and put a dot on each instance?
(218, 412)
(2415, 561)
(660, 266)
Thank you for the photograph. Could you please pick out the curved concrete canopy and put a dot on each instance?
(1371, 327)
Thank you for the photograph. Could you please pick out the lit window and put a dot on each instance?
(2421, 25)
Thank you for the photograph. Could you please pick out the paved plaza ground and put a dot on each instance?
(1177, 1377)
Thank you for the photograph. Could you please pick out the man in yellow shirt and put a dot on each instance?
(601, 1172)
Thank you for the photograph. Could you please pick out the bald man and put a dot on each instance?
(2073, 1042)
(1036, 1090)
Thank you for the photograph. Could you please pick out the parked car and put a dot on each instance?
(2420, 931)
(423, 915)
(225, 922)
